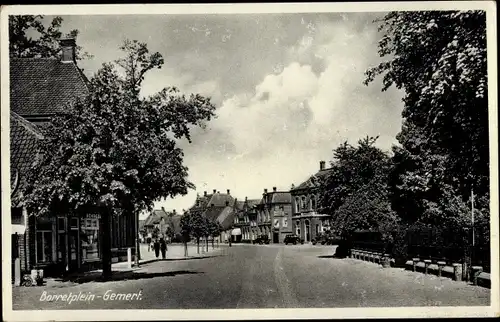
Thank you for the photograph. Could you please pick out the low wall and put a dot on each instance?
(426, 266)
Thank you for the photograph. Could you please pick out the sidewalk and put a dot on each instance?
(174, 252)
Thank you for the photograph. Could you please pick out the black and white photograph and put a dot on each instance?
(249, 161)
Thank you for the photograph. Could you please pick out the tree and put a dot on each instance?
(439, 59)
(46, 42)
(115, 153)
(351, 169)
(214, 230)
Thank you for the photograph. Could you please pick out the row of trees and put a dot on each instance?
(438, 58)
(114, 153)
(195, 224)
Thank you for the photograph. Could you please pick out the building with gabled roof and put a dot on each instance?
(41, 88)
(308, 222)
(274, 214)
(246, 219)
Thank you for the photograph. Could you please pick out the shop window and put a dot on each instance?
(90, 239)
(74, 223)
(44, 245)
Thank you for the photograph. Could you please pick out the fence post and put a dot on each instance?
(415, 262)
(476, 270)
(427, 262)
(440, 266)
(457, 271)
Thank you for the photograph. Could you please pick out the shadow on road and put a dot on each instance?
(188, 258)
(327, 256)
(122, 276)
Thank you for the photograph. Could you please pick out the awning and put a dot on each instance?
(19, 229)
(236, 232)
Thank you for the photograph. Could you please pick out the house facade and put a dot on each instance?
(246, 219)
(162, 220)
(307, 220)
(39, 89)
(274, 215)
(221, 207)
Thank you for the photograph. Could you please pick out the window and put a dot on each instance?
(317, 229)
(303, 202)
(297, 228)
(90, 239)
(297, 205)
(43, 246)
(313, 203)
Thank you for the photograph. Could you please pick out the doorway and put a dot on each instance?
(276, 237)
(307, 231)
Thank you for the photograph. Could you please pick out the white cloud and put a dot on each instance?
(294, 118)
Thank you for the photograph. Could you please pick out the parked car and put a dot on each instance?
(261, 239)
(326, 239)
(293, 239)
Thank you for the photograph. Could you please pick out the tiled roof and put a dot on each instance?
(252, 202)
(213, 213)
(281, 197)
(24, 140)
(226, 218)
(220, 199)
(44, 86)
(239, 204)
(155, 217)
(313, 180)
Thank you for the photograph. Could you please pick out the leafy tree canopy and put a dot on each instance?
(29, 37)
(116, 149)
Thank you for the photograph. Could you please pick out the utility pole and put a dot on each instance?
(137, 247)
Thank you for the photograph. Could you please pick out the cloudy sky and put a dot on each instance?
(288, 89)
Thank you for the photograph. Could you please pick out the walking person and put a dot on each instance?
(163, 248)
(157, 248)
(150, 244)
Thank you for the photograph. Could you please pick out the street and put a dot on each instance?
(258, 276)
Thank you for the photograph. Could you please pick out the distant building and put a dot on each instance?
(274, 215)
(161, 220)
(221, 207)
(307, 221)
(246, 218)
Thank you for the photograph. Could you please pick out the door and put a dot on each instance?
(73, 249)
(276, 237)
(307, 231)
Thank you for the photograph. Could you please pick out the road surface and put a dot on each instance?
(258, 276)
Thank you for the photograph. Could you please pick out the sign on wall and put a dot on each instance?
(276, 223)
(285, 222)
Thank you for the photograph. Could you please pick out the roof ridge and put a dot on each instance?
(30, 127)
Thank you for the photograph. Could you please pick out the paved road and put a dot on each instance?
(267, 276)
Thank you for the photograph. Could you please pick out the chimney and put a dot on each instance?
(246, 198)
(322, 165)
(215, 191)
(274, 189)
(68, 47)
(175, 212)
(265, 190)
(293, 186)
(204, 193)
(228, 191)
(227, 203)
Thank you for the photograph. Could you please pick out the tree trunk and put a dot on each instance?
(198, 244)
(185, 249)
(106, 243)
(207, 242)
(213, 242)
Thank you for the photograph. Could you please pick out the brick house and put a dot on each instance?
(161, 219)
(307, 221)
(274, 215)
(40, 88)
(221, 207)
(246, 219)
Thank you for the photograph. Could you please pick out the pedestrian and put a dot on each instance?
(163, 247)
(157, 248)
(148, 240)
